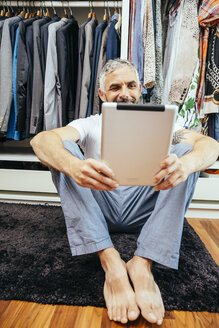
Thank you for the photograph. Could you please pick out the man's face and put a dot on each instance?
(121, 86)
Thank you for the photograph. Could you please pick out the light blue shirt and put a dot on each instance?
(11, 132)
(138, 49)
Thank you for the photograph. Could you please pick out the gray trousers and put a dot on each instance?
(158, 217)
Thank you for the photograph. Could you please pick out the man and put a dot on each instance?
(94, 204)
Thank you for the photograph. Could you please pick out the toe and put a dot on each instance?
(124, 315)
(149, 316)
(159, 322)
(117, 313)
(133, 312)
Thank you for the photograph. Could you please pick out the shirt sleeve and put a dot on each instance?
(84, 126)
(177, 127)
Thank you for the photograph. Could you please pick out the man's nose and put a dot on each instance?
(124, 92)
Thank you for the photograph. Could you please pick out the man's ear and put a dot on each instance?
(101, 95)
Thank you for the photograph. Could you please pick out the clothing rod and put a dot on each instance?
(61, 4)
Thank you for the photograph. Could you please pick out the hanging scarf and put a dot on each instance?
(208, 17)
(211, 99)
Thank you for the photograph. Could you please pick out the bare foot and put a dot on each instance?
(147, 293)
(118, 293)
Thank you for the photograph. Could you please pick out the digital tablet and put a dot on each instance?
(135, 139)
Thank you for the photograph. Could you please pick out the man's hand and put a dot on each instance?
(173, 169)
(92, 174)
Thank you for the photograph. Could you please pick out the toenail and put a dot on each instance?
(152, 316)
(132, 313)
(159, 322)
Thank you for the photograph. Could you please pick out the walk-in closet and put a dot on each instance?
(27, 81)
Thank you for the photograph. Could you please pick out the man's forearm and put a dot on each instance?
(203, 155)
(49, 149)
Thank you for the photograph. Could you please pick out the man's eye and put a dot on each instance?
(131, 86)
(114, 88)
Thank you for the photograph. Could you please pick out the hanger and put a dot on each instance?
(90, 12)
(115, 10)
(108, 8)
(39, 12)
(23, 10)
(2, 11)
(11, 10)
(119, 23)
(65, 15)
(27, 15)
(8, 12)
(54, 11)
(47, 14)
(93, 12)
(105, 14)
(70, 10)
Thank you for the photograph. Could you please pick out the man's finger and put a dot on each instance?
(103, 168)
(168, 183)
(168, 161)
(102, 178)
(89, 182)
(158, 177)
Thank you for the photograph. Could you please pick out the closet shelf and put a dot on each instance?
(18, 155)
(63, 4)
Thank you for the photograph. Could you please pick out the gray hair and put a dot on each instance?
(111, 66)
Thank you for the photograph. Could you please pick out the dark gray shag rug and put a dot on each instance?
(36, 264)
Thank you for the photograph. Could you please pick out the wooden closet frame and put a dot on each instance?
(30, 186)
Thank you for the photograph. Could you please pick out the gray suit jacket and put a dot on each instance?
(6, 70)
(81, 48)
(36, 120)
(88, 57)
(101, 63)
(52, 86)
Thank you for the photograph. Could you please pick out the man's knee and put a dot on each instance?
(73, 148)
(181, 149)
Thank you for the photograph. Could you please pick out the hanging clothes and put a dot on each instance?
(137, 45)
(52, 89)
(87, 65)
(157, 93)
(67, 54)
(36, 122)
(211, 98)
(96, 55)
(208, 17)
(11, 130)
(216, 126)
(81, 49)
(149, 46)
(44, 43)
(23, 70)
(6, 72)
(44, 61)
(131, 27)
(186, 54)
(113, 41)
(188, 115)
(101, 63)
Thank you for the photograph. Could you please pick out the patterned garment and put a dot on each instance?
(188, 115)
(149, 46)
(157, 93)
(211, 99)
(187, 53)
(208, 17)
(131, 27)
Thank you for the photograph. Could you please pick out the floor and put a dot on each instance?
(16, 314)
